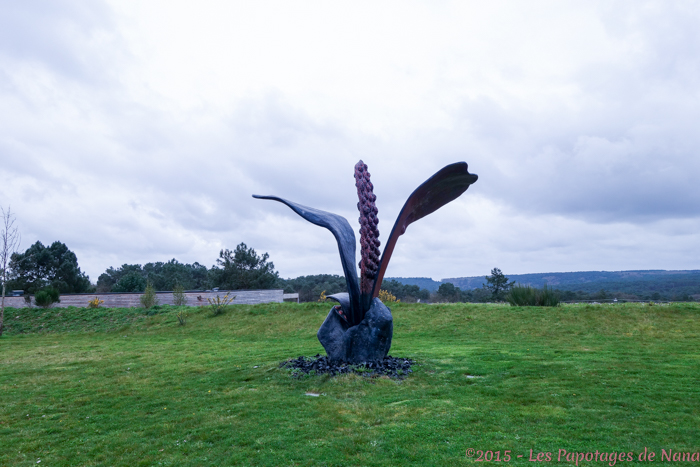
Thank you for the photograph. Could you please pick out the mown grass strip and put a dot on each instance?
(119, 387)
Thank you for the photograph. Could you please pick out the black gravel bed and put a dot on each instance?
(389, 366)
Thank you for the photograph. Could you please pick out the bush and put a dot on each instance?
(182, 318)
(179, 298)
(218, 304)
(149, 298)
(549, 297)
(524, 295)
(387, 297)
(46, 297)
(95, 303)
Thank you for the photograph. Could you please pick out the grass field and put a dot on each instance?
(118, 387)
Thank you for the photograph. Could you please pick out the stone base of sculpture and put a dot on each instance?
(367, 342)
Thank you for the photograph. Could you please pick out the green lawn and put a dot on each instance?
(119, 387)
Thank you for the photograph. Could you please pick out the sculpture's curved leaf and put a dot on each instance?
(345, 237)
(344, 299)
(445, 186)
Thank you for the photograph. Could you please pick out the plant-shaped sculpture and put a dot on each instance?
(360, 328)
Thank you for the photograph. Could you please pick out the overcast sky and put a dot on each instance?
(137, 131)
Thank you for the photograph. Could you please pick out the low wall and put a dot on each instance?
(127, 300)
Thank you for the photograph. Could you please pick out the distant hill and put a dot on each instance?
(645, 284)
(582, 285)
(585, 280)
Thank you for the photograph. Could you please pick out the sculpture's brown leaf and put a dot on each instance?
(445, 186)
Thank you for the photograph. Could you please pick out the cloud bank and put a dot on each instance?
(137, 132)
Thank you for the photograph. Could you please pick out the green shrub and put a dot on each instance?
(179, 298)
(95, 303)
(46, 297)
(149, 298)
(182, 318)
(524, 295)
(549, 297)
(218, 304)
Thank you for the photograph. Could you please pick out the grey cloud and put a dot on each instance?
(57, 34)
(622, 147)
(609, 168)
(634, 160)
(207, 179)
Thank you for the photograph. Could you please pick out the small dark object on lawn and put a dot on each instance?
(389, 366)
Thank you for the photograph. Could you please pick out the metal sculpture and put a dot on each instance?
(360, 327)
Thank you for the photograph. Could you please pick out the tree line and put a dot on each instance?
(56, 267)
(239, 269)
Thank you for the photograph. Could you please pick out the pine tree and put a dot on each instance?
(498, 284)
